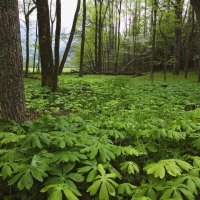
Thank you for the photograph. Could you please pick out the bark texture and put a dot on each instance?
(83, 38)
(11, 84)
(46, 53)
(57, 45)
(196, 6)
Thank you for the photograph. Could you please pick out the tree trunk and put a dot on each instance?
(83, 39)
(71, 37)
(155, 7)
(196, 6)
(27, 44)
(96, 36)
(99, 65)
(178, 34)
(57, 45)
(52, 19)
(35, 47)
(118, 37)
(145, 18)
(27, 12)
(46, 54)
(11, 68)
(190, 28)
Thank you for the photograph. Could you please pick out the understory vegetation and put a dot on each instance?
(104, 137)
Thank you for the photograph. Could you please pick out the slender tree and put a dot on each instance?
(196, 6)
(118, 36)
(52, 15)
(72, 33)
(153, 55)
(178, 5)
(57, 45)
(83, 38)
(28, 9)
(35, 47)
(11, 84)
(190, 28)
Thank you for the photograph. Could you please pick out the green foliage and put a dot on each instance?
(172, 166)
(104, 183)
(104, 137)
(56, 190)
(130, 167)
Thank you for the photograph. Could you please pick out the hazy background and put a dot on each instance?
(68, 10)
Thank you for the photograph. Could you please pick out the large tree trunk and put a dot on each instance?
(83, 39)
(46, 53)
(71, 37)
(11, 84)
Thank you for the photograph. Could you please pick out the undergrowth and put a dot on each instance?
(104, 138)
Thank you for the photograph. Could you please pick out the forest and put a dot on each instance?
(108, 109)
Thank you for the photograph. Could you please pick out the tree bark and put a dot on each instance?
(35, 47)
(71, 37)
(118, 37)
(190, 28)
(27, 13)
(27, 44)
(11, 68)
(46, 53)
(83, 39)
(178, 36)
(100, 30)
(96, 35)
(57, 45)
(196, 6)
(155, 7)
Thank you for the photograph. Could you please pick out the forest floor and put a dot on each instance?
(142, 136)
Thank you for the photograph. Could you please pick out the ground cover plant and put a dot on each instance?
(104, 137)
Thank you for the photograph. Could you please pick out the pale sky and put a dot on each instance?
(68, 10)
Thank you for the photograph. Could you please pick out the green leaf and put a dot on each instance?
(56, 195)
(152, 194)
(76, 177)
(94, 187)
(172, 166)
(129, 167)
(91, 176)
(69, 194)
(84, 170)
(101, 169)
(126, 188)
(6, 171)
(26, 181)
(111, 189)
(167, 194)
(103, 193)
